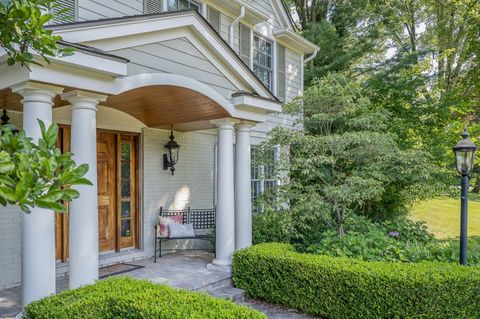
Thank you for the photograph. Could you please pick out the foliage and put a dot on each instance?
(129, 298)
(344, 163)
(340, 288)
(37, 174)
(272, 226)
(393, 241)
(22, 30)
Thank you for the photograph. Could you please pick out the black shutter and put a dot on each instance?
(64, 11)
(214, 18)
(281, 73)
(245, 43)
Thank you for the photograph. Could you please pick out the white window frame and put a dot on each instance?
(197, 5)
(261, 180)
(270, 69)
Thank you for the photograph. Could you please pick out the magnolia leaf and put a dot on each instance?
(8, 194)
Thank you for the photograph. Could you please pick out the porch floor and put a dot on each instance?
(185, 270)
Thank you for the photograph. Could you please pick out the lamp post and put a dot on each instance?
(464, 158)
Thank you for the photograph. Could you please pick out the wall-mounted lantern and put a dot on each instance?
(5, 118)
(170, 159)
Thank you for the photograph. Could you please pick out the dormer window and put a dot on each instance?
(262, 59)
(176, 5)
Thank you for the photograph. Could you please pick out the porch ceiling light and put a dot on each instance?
(170, 159)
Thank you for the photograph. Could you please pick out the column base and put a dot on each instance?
(220, 265)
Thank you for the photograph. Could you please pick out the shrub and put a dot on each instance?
(128, 298)
(272, 226)
(350, 288)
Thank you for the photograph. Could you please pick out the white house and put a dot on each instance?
(215, 72)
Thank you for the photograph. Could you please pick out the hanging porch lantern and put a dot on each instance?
(5, 118)
(170, 159)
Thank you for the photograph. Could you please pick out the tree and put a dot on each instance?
(37, 174)
(22, 31)
(345, 160)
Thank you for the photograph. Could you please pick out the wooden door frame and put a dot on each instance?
(137, 140)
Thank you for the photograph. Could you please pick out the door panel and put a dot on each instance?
(61, 220)
(106, 191)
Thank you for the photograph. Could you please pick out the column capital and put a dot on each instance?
(245, 125)
(226, 123)
(83, 99)
(34, 91)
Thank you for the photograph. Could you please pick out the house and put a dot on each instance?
(212, 73)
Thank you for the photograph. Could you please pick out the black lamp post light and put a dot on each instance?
(170, 159)
(464, 158)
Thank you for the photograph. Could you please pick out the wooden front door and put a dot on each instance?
(106, 171)
(117, 173)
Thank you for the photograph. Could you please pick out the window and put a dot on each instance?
(64, 11)
(176, 5)
(262, 59)
(263, 175)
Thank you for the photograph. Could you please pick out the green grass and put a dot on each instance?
(442, 216)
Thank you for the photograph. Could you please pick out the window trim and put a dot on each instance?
(262, 181)
(190, 2)
(270, 85)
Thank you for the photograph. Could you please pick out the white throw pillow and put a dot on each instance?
(181, 230)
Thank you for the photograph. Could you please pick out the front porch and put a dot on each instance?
(183, 270)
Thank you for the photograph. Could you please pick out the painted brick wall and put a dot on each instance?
(10, 246)
(192, 185)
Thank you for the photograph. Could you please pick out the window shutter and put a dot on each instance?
(245, 43)
(152, 6)
(63, 12)
(281, 73)
(214, 18)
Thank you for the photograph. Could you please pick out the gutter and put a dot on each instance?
(232, 25)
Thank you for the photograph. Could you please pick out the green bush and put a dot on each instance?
(350, 288)
(128, 298)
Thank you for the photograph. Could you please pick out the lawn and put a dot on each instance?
(442, 216)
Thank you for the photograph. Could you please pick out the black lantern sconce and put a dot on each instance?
(5, 118)
(170, 159)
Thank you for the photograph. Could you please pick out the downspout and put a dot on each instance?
(311, 57)
(232, 26)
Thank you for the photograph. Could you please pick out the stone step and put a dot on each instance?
(230, 293)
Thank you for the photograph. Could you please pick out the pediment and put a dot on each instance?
(146, 40)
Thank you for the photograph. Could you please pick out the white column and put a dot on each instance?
(38, 227)
(243, 187)
(225, 219)
(83, 233)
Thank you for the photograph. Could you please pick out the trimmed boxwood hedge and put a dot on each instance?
(129, 298)
(349, 288)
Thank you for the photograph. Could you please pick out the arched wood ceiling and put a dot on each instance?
(156, 106)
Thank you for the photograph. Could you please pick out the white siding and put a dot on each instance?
(225, 32)
(293, 74)
(177, 56)
(265, 7)
(101, 9)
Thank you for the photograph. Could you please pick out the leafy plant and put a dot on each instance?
(23, 32)
(37, 174)
(129, 298)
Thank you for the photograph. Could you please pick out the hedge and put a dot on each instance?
(128, 298)
(333, 288)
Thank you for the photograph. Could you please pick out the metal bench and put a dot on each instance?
(200, 218)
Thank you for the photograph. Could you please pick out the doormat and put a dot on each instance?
(117, 269)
